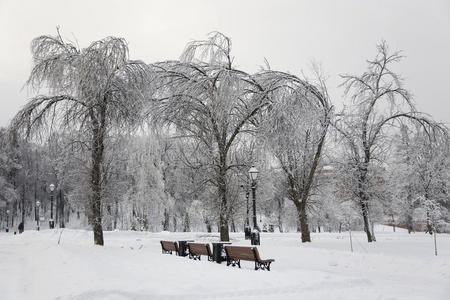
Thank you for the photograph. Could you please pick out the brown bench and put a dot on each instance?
(237, 253)
(169, 246)
(198, 249)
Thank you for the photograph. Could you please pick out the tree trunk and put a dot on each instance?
(23, 205)
(306, 236)
(365, 213)
(233, 226)
(224, 234)
(187, 225)
(303, 221)
(61, 213)
(409, 223)
(208, 225)
(56, 209)
(174, 223)
(97, 158)
(223, 210)
(166, 220)
(116, 214)
(393, 222)
(280, 203)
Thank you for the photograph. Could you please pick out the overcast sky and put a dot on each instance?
(340, 35)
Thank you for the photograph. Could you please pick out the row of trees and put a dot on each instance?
(168, 145)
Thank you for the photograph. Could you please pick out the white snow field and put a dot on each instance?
(131, 266)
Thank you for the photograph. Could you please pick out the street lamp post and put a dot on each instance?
(51, 223)
(7, 220)
(247, 219)
(247, 230)
(37, 212)
(253, 173)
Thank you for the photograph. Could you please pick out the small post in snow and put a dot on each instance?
(435, 245)
(59, 240)
(351, 244)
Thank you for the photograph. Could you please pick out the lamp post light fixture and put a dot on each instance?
(253, 173)
(7, 220)
(51, 223)
(38, 203)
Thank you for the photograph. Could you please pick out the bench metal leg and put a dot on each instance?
(262, 265)
(194, 256)
(234, 262)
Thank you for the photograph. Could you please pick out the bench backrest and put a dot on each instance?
(258, 258)
(169, 245)
(239, 252)
(200, 249)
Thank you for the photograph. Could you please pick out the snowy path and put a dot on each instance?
(131, 266)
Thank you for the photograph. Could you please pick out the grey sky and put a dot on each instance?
(340, 35)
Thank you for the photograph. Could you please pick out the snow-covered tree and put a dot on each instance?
(378, 101)
(93, 91)
(294, 131)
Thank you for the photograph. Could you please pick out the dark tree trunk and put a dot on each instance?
(373, 231)
(97, 158)
(61, 213)
(187, 225)
(363, 199)
(67, 216)
(174, 218)
(365, 214)
(280, 203)
(224, 234)
(116, 214)
(306, 236)
(23, 205)
(304, 227)
(57, 209)
(303, 221)
(208, 225)
(393, 222)
(409, 223)
(166, 220)
(223, 210)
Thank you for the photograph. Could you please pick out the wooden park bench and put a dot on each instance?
(198, 249)
(168, 247)
(237, 253)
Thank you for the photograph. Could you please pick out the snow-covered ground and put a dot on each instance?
(131, 266)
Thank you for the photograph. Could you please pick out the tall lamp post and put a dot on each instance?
(253, 173)
(51, 223)
(247, 230)
(38, 203)
(7, 220)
